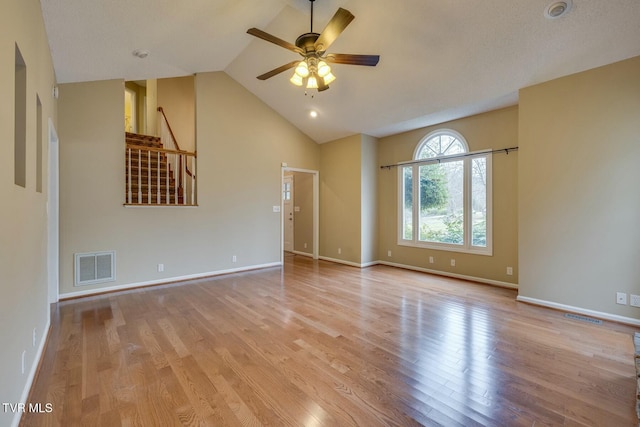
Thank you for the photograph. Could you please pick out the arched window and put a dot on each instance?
(445, 196)
(440, 143)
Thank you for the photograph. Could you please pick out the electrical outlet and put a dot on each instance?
(160, 268)
(234, 259)
(339, 251)
(305, 246)
(621, 298)
(430, 260)
(388, 253)
(453, 262)
(634, 300)
(509, 271)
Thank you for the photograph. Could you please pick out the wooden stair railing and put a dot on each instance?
(173, 141)
(151, 177)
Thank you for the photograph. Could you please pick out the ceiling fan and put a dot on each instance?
(313, 71)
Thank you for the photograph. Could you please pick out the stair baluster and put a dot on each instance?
(177, 183)
(158, 179)
(149, 177)
(129, 175)
(167, 186)
(139, 176)
(193, 182)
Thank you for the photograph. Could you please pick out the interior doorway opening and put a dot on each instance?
(300, 212)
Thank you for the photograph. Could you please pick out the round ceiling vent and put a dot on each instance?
(557, 9)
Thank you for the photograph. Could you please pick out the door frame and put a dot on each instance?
(316, 209)
(53, 216)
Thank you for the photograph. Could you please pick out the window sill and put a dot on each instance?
(447, 247)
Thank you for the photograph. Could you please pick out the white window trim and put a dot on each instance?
(430, 135)
(467, 159)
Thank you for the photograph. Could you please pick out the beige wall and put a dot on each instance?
(340, 199)
(177, 96)
(23, 216)
(152, 108)
(348, 199)
(235, 214)
(492, 130)
(578, 186)
(303, 200)
(369, 198)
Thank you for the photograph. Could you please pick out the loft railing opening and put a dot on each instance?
(160, 146)
(158, 172)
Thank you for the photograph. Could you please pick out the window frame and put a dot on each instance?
(467, 157)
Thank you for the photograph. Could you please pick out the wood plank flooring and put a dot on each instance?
(320, 344)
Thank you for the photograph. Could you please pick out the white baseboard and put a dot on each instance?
(351, 263)
(32, 372)
(580, 310)
(69, 295)
(425, 270)
(307, 254)
(454, 275)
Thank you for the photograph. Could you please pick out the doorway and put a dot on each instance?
(130, 107)
(300, 212)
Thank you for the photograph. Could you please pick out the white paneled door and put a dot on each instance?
(287, 217)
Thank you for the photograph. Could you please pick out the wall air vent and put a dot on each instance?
(95, 267)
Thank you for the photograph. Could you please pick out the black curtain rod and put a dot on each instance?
(455, 156)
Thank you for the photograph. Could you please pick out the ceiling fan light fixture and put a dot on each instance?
(302, 69)
(312, 82)
(329, 78)
(296, 79)
(323, 69)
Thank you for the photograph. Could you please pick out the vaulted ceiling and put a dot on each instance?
(440, 60)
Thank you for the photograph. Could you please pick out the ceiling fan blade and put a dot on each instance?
(278, 70)
(346, 58)
(273, 39)
(334, 28)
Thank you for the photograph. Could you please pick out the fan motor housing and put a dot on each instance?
(307, 41)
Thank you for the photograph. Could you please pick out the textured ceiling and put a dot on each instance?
(440, 60)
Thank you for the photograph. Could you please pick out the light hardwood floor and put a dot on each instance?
(321, 344)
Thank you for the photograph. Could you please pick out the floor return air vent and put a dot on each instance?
(582, 318)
